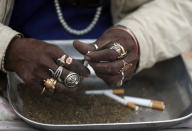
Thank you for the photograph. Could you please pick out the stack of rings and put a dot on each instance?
(70, 81)
(121, 51)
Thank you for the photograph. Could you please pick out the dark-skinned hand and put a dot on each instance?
(31, 59)
(105, 61)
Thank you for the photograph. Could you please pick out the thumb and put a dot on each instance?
(83, 48)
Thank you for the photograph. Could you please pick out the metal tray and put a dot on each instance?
(167, 81)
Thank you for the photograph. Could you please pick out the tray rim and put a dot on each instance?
(176, 120)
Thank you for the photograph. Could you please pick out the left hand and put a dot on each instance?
(107, 62)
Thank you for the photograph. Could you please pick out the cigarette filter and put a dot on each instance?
(146, 102)
(100, 92)
(121, 100)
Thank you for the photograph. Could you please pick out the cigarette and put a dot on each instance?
(121, 100)
(100, 92)
(146, 102)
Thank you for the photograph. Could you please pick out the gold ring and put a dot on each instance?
(50, 84)
(65, 60)
(62, 59)
(68, 60)
(119, 49)
(123, 52)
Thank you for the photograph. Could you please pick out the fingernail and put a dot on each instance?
(87, 58)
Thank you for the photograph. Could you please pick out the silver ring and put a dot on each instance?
(57, 73)
(123, 76)
(72, 80)
(96, 46)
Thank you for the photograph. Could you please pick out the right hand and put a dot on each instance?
(31, 59)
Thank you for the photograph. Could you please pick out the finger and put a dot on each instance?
(83, 48)
(113, 68)
(64, 73)
(111, 80)
(38, 84)
(130, 73)
(73, 65)
(109, 53)
(102, 55)
(54, 51)
(60, 88)
(52, 67)
(78, 67)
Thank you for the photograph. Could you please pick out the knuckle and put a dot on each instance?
(109, 69)
(50, 48)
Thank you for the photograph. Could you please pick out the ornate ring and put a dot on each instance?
(62, 59)
(50, 84)
(65, 60)
(96, 46)
(126, 66)
(72, 80)
(57, 73)
(119, 49)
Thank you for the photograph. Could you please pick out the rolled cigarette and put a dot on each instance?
(100, 92)
(121, 100)
(146, 102)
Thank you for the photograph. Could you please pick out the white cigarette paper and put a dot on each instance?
(101, 92)
(146, 102)
(121, 100)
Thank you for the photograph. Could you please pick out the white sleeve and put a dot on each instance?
(6, 35)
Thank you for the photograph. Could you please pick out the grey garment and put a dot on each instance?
(162, 28)
(121, 8)
(6, 7)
